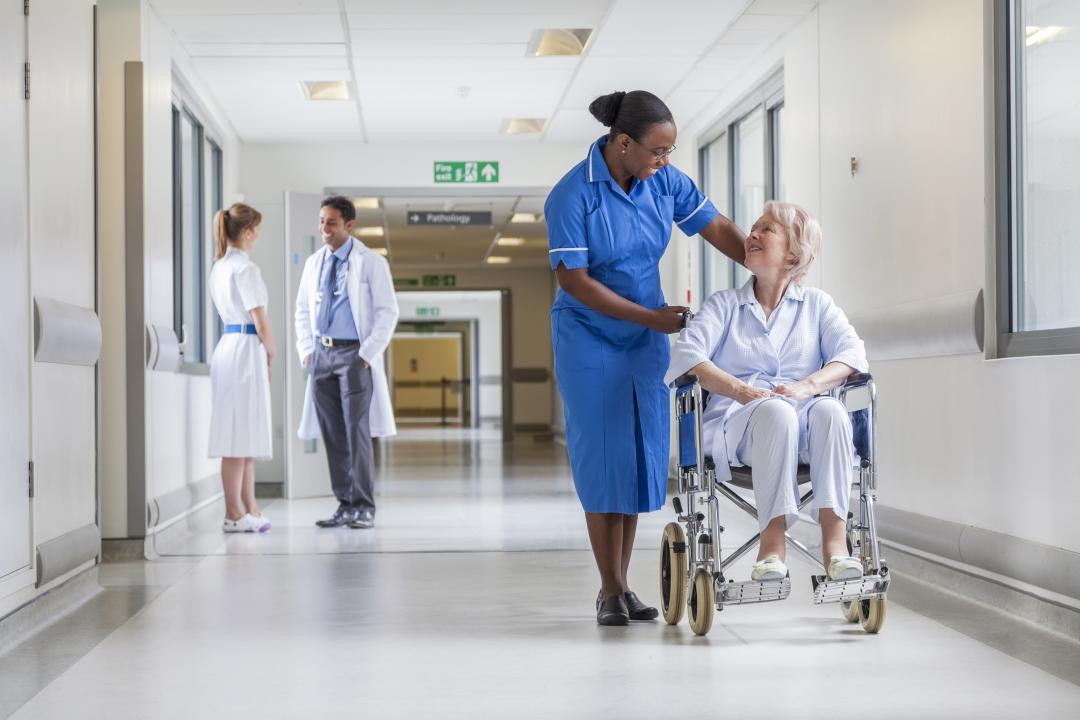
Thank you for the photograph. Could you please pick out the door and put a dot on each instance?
(306, 474)
(14, 298)
(427, 374)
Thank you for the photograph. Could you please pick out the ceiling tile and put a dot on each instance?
(258, 28)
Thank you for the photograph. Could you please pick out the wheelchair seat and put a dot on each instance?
(742, 476)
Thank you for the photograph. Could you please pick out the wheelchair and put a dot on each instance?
(691, 562)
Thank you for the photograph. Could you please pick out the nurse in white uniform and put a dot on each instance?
(767, 352)
(240, 430)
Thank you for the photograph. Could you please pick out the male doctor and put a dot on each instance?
(346, 312)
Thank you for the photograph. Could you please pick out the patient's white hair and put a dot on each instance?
(804, 234)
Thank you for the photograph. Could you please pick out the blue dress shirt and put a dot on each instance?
(341, 326)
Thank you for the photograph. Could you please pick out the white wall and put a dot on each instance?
(901, 87)
(177, 405)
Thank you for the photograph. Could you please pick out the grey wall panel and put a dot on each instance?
(67, 552)
(65, 333)
(949, 325)
(177, 502)
(1045, 566)
(162, 349)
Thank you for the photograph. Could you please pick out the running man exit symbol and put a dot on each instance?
(467, 171)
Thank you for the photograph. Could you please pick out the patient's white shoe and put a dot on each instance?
(771, 567)
(845, 568)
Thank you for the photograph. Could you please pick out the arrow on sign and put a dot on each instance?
(488, 172)
(414, 218)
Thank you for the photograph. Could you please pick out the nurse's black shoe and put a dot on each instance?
(612, 611)
(637, 609)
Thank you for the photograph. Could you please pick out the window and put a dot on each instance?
(1038, 184)
(197, 195)
(741, 170)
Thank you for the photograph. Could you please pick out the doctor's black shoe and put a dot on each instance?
(637, 609)
(343, 516)
(613, 612)
(363, 520)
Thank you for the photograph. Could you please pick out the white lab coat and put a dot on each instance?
(375, 311)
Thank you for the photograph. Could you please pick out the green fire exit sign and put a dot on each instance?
(467, 171)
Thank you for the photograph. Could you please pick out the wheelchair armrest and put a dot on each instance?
(857, 380)
(684, 380)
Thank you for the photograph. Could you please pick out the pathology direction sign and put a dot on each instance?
(467, 171)
(438, 217)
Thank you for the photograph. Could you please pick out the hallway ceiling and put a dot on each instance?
(450, 246)
(455, 71)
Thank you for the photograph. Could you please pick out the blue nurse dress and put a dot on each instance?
(611, 372)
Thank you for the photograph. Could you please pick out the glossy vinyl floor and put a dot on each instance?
(473, 598)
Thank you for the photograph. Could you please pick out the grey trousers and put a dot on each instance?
(342, 406)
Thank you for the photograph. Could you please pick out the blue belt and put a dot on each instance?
(244, 329)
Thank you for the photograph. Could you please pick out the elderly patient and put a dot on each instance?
(765, 352)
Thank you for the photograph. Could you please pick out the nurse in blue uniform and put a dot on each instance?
(609, 221)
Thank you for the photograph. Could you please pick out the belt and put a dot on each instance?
(243, 329)
(331, 342)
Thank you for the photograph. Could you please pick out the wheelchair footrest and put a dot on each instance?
(830, 591)
(737, 593)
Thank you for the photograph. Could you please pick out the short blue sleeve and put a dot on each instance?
(564, 213)
(693, 210)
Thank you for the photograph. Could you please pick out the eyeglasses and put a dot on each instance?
(657, 154)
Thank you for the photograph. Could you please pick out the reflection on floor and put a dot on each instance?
(431, 614)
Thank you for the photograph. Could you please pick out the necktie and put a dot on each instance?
(329, 283)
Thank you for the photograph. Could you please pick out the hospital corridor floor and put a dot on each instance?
(473, 598)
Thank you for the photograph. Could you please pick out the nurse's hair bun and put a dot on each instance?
(606, 107)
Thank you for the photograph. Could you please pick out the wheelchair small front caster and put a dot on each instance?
(702, 601)
(872, 613)
(851, 611)
(673, 573)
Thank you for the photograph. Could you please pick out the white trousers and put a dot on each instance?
(775, 442)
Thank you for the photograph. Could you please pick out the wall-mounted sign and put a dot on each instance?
(427, 312)
(469, 171)
(438, 217)
(406, 282)
(440, 281)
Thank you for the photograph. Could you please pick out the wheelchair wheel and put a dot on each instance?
(673, 573)
(872, 613)
(702, 602)
(851, 611)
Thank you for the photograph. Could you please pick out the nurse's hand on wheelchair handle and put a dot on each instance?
(669, 319)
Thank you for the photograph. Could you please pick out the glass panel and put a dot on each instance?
(213, 205)
(749, 177)
(716, 266)
(779, 191)
(1048, 250)
(190, 256)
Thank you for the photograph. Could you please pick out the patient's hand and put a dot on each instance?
(746, 394)
(797, 391)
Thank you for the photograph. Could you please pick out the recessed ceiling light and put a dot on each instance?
(370, 231)
(382, 251)
(558, 41)
(366, 203)
(326, 89)
(523, 218)
(498, 260)
(1038, 35)
(511, 241)
(523, 126)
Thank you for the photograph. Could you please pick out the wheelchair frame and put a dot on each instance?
(692, 564)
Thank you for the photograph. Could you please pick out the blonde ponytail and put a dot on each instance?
(230, 224)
